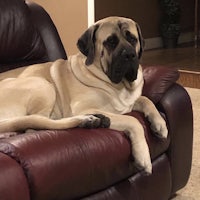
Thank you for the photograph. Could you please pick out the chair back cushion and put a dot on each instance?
(21, 40)
(18, 37)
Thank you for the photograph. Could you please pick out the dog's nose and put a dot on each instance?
(127, 55)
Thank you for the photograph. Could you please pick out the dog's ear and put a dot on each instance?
(141, 40)
(86, 44)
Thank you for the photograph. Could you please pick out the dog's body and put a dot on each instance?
(92, 89)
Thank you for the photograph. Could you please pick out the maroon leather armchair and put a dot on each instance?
(88, 164)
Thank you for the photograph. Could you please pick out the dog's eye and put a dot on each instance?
(111, 42)
(131, 38)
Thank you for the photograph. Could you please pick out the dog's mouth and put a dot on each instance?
(120, 69)
(124, 65)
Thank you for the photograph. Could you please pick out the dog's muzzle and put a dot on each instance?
(124, 65)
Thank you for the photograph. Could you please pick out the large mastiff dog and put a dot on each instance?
(92, 89)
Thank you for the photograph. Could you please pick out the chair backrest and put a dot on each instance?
(27, 35)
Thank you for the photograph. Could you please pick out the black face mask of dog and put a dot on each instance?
(116, 47)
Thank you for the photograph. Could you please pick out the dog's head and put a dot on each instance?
(115, 44)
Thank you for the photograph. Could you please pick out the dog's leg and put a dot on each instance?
(40, 122)
(135, 132)
(158, 124)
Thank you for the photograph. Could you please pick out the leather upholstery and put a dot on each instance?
(178, 110)
(139, 187)
(13, 183)
(17, 22)
(48, 32)
(27, 35)
(81, 163)
(164, 78)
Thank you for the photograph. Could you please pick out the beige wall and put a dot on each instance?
(70, 18)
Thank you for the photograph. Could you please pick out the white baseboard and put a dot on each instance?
(186, 37)
(154, 43)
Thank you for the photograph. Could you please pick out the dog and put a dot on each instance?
(92, 89)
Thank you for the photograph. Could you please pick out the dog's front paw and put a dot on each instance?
(90, 121)
(143, 162)
(95, 121)
(160, 128)
(104, 121)
(140, 154)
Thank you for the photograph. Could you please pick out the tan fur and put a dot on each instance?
(64, 94)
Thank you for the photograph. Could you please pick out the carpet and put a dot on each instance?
(192, 190)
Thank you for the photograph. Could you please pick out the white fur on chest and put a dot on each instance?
(96, 91)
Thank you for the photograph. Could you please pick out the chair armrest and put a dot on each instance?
(13, 183)
(157, 80)
(176, 105)
(81, 160)
(173, 100)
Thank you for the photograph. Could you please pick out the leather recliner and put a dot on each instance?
(88, 163)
